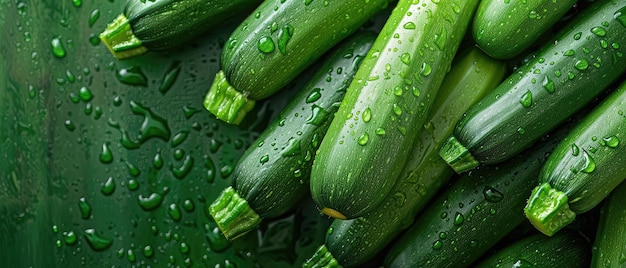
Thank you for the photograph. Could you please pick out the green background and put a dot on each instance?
(61, 117)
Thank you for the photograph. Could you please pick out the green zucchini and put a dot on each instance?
(159, 25)
(585, 167)
(504, 29)
(610, 241)
(353, 242)
(273, 173)
(276, 43)
(566, 249)
(478, 210)
(386, 105)
(565, 75)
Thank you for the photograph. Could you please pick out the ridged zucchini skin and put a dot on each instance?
(474, 213)
(352, 243)
(610, 240)
(372, 134)
(273, 173)
(160, 25)
(566, 74)
(504, 29)
(276, 43)
(586, 166)
(566, 249)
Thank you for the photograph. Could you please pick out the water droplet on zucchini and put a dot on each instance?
(57, 48)
(96, 241)
(132, 76)
(620, 15)
(527, 99)
(266, 44)
(492, 195)
(363, 139)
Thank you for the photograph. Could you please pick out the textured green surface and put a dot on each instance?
(60, 113)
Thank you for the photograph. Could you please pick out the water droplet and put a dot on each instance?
(521, 130)
(108, 187)
(292, 148)
(96, 241)
(93, 17)
(70, 237)
(569, 53)
(426, 69)
(106, 156)
(458, 218)
(367, 115)
(443, 235)
(266, 44)
(284, 35)
(314, 95)
(85, 208)
(578, 35)
(174, 212)
(264, 159)
(179, 137)
(599, 31)
(130, 255)
(188, 205)
(184, 169)
(527, 99)
(57, 48)
(575, 150)
(581, 64)
(133, 76)
(548, 84)
(397, 110)
(610, 141)
(437, 244)
(620, 15)
(492, 195)
(69, 125)
(405, 58)
(150, 202)
(307, 2)
(440, 39)
(318, 116)
(152, 126)
(170, 77)
(409, 25)
(217, 241)
(589, 165)
(132, 169)
(148, 251)
(77, 3)
(380, 131)
(363, 139)
(85, 94)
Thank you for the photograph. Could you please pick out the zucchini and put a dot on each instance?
(610, 240)
(353, 242)
(585, 167)
(478, 210)
(505, 29)
(566, 249)
(273, 173)
(565, 75)
(371, 136)
(159, 25)
(276, 43)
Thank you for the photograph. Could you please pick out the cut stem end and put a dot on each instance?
(225, 102)
(548, 209)
(120, 40)
(457, 156)
(233, 214)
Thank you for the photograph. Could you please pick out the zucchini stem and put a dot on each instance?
(120, 40)
(548, 209)
(233, 214)
(321, 258)
(457, 155)
(225, 102)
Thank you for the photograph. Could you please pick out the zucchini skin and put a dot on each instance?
(276, 43)
(584, 59)
(504, 29)
(466, 220)
(165, 24)
(584, 168)
(273, 173)
(386, 105)
(354, 242)
(610, 239)
(566, 249)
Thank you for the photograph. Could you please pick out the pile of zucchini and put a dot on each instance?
(429, 140)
